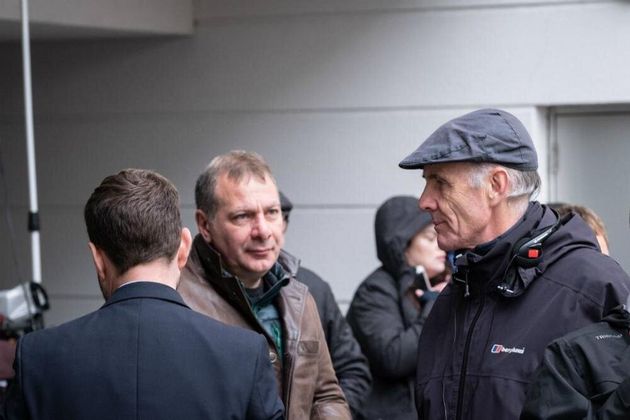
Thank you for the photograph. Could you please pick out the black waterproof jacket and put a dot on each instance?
(349, 363)
(585, 374)
(386, 318)
(481, 345)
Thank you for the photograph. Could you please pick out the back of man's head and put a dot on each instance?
(134, 218)
(236, 165)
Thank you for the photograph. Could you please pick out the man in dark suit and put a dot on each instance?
(145, 353)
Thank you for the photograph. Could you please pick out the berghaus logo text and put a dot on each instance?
(499, 348)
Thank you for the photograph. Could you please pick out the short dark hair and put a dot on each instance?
(236, 165)
(134, 218)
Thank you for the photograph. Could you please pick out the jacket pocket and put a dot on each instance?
(308, 347)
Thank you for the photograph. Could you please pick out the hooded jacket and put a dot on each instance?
(485, 337)
(385, 316)
(585, 374)
(306, 380)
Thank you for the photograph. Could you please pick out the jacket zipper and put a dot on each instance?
(250, 310)
(462, 378)
(286, 379)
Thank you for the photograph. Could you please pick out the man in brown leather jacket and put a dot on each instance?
(237, 273)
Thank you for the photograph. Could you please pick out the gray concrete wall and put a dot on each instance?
(97, 18)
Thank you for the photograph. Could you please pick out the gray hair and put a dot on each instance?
(521, 183)
(236, 165)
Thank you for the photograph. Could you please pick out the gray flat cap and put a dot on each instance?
(485, 135)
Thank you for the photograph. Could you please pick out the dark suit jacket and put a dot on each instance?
(144, 355)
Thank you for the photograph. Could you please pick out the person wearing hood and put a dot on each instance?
(522, 276)
(391, 305)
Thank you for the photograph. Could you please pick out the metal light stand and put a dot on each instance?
(33, 221)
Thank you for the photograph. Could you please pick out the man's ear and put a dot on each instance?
(498, 185)
(184, 248)
(203, 224)
(99, 261)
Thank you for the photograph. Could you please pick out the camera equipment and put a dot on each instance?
(22, 308)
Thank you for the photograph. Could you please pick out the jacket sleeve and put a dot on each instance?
(348, 361)
(617, 406)
(390, 344)
(329, 401)
(265, 403)
(14, 404)
(559, 391)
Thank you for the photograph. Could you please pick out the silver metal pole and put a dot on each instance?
(30, 147)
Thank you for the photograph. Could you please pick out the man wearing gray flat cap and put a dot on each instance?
(521, 277)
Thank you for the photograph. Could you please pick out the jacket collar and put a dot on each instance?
(289, 263)
(209, 259)
(205, 262)
(489, 262)
(145, 289)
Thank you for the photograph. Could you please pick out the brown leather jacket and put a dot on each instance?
(306, 379)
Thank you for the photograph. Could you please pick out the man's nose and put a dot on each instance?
(261, 228)
(426, 201)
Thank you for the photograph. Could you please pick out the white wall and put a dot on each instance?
(332, 94)
(97, 18)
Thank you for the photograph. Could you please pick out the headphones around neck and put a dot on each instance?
(527, 253)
